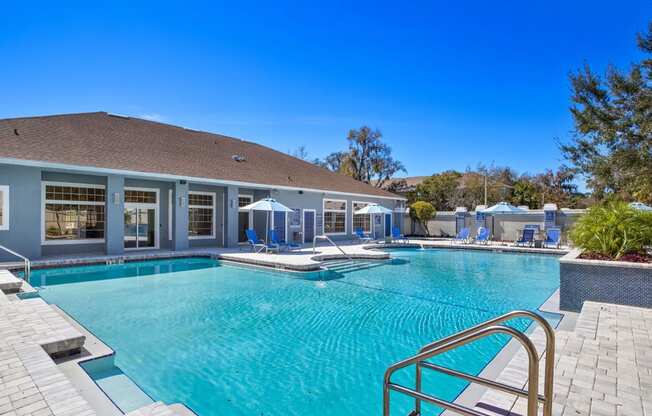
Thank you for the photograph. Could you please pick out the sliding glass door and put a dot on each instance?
(141, 219)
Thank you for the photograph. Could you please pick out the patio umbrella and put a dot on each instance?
(268, 205)
(640, 206)
(373, 209)
(501, 208)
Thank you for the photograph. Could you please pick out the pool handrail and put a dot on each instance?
(482, 330)
(26, 262)
(325, 237)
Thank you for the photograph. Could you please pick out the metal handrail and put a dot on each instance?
(469, 335)
(28, 264)
(325, 237)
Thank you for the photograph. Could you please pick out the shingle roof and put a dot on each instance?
(103, 140)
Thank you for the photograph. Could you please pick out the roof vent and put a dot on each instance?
(16, 132)
(239, 158)
(118, 116)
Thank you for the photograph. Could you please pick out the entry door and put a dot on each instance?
(243, 225)
(141, 227)
(308, 225)
(388, 225)
(279, 224)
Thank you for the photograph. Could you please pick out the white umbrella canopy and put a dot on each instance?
(268, 205)
(373, 209)
(640, 206)
(503, 208)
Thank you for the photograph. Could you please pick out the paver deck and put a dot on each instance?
(9, 282)
(603, 367)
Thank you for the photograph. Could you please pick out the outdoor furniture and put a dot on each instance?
(397, 236)
(483, 236)
(553, 237)
(360, 235)
(462, 236)
(273, 239)
(258, 245)
(527, 238)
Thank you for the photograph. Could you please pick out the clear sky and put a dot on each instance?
(450, 84)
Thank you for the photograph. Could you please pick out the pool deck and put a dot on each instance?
(301, 259)
(603, 367)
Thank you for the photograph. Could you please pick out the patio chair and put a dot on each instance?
(258, 245)
(273, 239)
(553, 237)
(360, 235)
(462, 236)
(397, 236)
(527, 238)
(483, 236)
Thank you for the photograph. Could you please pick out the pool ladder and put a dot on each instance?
(26, 263)
(467, 336)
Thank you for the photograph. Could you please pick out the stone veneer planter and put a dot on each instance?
(618, 282)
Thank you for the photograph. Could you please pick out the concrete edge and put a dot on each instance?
(573, 258)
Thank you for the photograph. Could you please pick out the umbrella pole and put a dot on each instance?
(266, 227)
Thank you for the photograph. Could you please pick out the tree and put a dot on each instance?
(558, 187)
(612, 141)
(526, 193)
(367, 159)
(438, 189)
(300, 153)
(422, 211)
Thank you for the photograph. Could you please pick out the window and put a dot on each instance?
(334, 216)
(361, 220)
(294, 218)
(73, 213)
(201, 215)
(4, 207)
(140, 197)
(244, 200)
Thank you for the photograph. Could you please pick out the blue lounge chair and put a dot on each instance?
(462, 236)
(483, 236)
(258, 245)
(397, 236)
(360, 235)
(273, 239)
(553, 237)
(527, 238)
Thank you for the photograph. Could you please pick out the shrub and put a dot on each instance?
(613, 229)
(422, 212)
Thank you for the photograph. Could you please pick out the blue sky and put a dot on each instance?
(450, 84)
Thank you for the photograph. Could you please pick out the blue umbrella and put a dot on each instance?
(503, 208)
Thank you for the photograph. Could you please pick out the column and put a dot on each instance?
(114, 227)
(231, 216)
(180, 235)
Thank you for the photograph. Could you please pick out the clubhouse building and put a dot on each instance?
(100, 183)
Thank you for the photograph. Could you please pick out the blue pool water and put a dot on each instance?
(229, 340)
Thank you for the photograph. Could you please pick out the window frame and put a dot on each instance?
(344, 211)
(45, 201)
(353, 214)
(213, 234)
(4, 189)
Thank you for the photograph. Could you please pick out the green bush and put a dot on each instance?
(422, 212)
(613, 229)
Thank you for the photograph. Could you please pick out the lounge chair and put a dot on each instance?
(462, 236)
(397, 236)
(553, 237)
(258, 245)
(273, 239)
(483, 236)
(360, 235)
(527, 238)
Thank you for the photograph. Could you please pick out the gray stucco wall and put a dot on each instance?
(24, 233)
(603, 281)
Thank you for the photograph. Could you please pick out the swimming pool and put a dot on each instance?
(231, 340)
